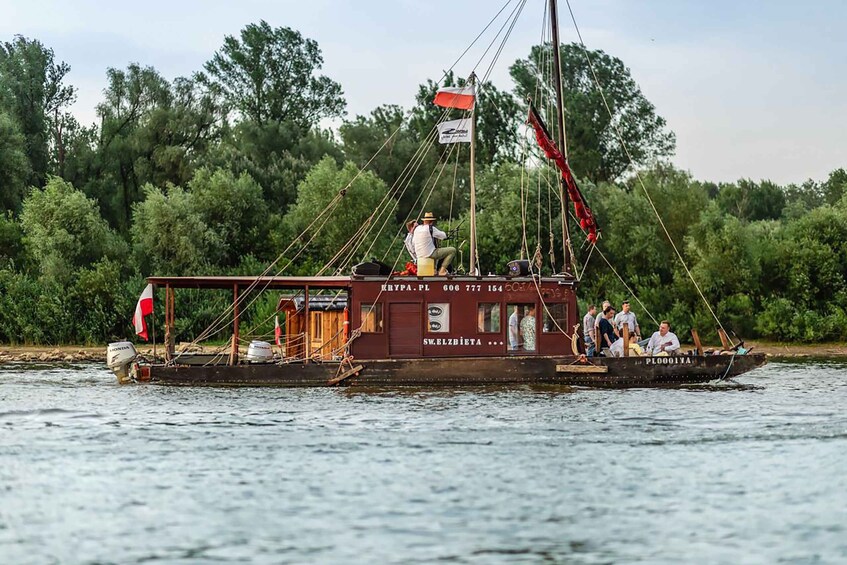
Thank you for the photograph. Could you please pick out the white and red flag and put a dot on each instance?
(277, 332)
(461, 97)
(143, 308)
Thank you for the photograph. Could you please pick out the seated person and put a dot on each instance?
(409, 241)
(634, 349)
(663, 341)
(424, 238)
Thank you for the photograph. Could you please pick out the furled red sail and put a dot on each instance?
(581, 209)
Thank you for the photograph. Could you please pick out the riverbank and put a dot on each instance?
(82, 354)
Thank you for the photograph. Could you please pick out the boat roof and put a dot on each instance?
(334, 282)
(228, 282)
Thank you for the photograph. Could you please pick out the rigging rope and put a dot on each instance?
(637, 175)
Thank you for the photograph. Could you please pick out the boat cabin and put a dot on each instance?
(400, 317)
(324, 328)
(411, 317)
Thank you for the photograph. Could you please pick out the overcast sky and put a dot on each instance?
(753, 88)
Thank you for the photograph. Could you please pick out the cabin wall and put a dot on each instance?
(409, 305)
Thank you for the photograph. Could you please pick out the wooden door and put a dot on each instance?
(405, 329)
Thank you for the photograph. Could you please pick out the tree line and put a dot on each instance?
(222, 171)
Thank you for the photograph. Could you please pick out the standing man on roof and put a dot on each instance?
(424, 239)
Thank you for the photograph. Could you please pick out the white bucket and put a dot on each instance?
(259, 352)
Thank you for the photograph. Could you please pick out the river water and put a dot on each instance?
(753, 472)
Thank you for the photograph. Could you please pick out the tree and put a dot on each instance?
(234, 209)
(33, 92)
(63, 230)
(14, 166)
(277, 155)
(169, 235)
(345, 220)
(269, 75)
(750, 201)
(594, 149)
(404, 163)
(151, 131)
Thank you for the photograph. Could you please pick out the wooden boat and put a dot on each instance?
(387, 329)
(426, 331)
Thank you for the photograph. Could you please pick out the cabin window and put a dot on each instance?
(555, 318)
(488, 318)
(371, 318)
(438, 317)
(522, 327)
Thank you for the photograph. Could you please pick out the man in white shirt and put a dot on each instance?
(424, 239)
(409, 241)
(588, 330)
(628, 318)
(514, 330)
(663, 340)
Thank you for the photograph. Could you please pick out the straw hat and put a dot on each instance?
(429, 216)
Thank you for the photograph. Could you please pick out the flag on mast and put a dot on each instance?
(461, 97)
(277, 332)
(455, 131)
(143, 308)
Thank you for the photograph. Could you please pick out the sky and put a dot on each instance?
(752, 88)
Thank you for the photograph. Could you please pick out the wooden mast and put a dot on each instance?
(560, 122)
(473, 260)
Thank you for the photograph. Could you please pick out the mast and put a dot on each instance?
(560, 122)
(473, 260)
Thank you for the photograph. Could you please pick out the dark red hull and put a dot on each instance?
(462, 372)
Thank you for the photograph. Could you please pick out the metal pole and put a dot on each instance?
(474, 263)
(560, 122)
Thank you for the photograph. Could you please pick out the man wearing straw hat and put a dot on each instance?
(424, 240)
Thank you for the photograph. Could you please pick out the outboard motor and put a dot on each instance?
(119, 356)
(259, 352)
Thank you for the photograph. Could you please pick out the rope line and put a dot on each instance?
(619, 135)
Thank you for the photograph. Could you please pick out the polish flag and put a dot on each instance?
(277, 332)
(143, 308)
(455, 97)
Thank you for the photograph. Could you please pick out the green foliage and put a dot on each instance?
(218, 173)
(64, 231)
(169, 234)
(750, 201)
(33, 93)
(327, 236)
(269, 76)
(14, 166)
(233, 208)
(278, 155)
(594, 149)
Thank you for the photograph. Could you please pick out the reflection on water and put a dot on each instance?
(751, 470)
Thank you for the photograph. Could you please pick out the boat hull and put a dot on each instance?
(462, 372)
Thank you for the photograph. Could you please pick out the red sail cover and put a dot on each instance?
(581, 209)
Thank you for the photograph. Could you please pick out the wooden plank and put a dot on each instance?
(582, 369)
(696, 337)
(724, 340)
(626, 339)
(233, 352)
(345, 375)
